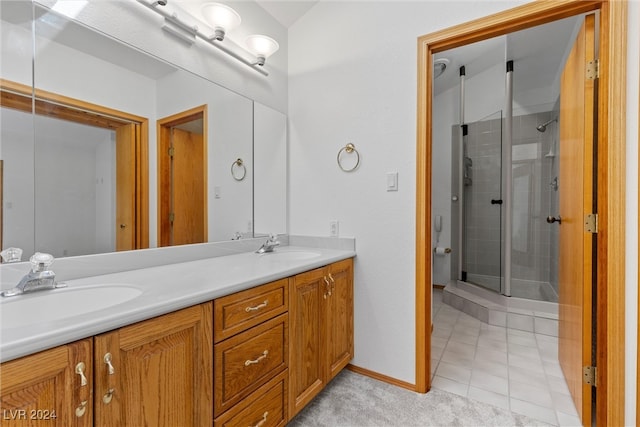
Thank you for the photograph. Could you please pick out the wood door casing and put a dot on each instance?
(611, 178)
(576, 201)
(36, 388)
(163, 375)
(190, 158)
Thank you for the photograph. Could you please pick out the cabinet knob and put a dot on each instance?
(81, 409)
(80, 368)
(328, 285)
(107, 360)
(108, 396)
(333, 283)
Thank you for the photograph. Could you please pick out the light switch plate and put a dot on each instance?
(392, 181)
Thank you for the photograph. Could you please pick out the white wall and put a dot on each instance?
(357, 83)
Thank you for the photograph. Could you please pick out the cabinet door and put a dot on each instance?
(339, 312)
(44, 389)
(161, 371)
(306, 350)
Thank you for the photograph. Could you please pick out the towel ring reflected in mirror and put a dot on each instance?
(238, 170)
(348, 149)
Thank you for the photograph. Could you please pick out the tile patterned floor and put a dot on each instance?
(508, 368)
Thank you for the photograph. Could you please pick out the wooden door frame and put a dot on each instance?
(162, 125)
(610, 181)
(20, 97)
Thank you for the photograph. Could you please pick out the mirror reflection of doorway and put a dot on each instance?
(182, 169)
(88, 170)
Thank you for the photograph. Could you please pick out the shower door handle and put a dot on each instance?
(496, 201)
(552, 219)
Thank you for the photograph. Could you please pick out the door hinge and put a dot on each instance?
(593, 69)
(172, 151)
(589, 375)
(591, 223)
(172, 216)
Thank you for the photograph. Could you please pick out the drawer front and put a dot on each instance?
(238, 312)
(267, 407)
(248, 360)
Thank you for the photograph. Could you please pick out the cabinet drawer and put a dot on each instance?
(267, 407)
(246, 361)
(243, 310)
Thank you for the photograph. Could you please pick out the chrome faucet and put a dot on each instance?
(39, 278)
(268, 246)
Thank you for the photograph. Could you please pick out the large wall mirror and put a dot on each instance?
(82, 116)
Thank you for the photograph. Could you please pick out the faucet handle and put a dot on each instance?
(40, 261)
(11, 255)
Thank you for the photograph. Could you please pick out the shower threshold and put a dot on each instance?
(539, 317)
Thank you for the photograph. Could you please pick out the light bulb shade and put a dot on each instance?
(221, 16)
(261, 46)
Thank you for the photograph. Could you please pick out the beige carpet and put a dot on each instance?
(358, 401)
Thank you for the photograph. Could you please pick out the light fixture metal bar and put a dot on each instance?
(173, 18)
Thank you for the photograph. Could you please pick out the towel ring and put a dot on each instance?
(236, 166)
(349, 148)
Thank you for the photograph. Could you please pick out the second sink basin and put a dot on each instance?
(57, 304)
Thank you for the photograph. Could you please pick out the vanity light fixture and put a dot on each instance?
(223, 19)
(262, 47)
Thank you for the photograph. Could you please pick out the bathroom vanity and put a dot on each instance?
(249, 343)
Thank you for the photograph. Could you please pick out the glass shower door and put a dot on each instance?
(482, 225)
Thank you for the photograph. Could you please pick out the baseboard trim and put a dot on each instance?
(381, 377)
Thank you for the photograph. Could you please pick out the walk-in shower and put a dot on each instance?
(504, 187)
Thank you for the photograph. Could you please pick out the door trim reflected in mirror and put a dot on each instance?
(132, 137)
(182, 178)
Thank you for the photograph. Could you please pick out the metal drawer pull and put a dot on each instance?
(328, 287)
(108, 396)
(333, 283)
(80, 410)
(107, 360)
(254, 361)
(262, 421)
(80, 371)
(257, 307)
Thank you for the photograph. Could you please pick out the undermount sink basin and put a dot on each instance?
(56, 304)
(290, 255)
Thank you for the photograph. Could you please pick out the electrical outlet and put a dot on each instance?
(333, 228)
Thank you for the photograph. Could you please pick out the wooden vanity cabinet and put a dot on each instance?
(157, 372)
(46, 388)
(153, 373)
(321, 330)
(251, 356)
(274, 347)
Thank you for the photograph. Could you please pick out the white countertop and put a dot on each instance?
(163, 289)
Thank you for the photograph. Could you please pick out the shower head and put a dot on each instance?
(543, 127)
